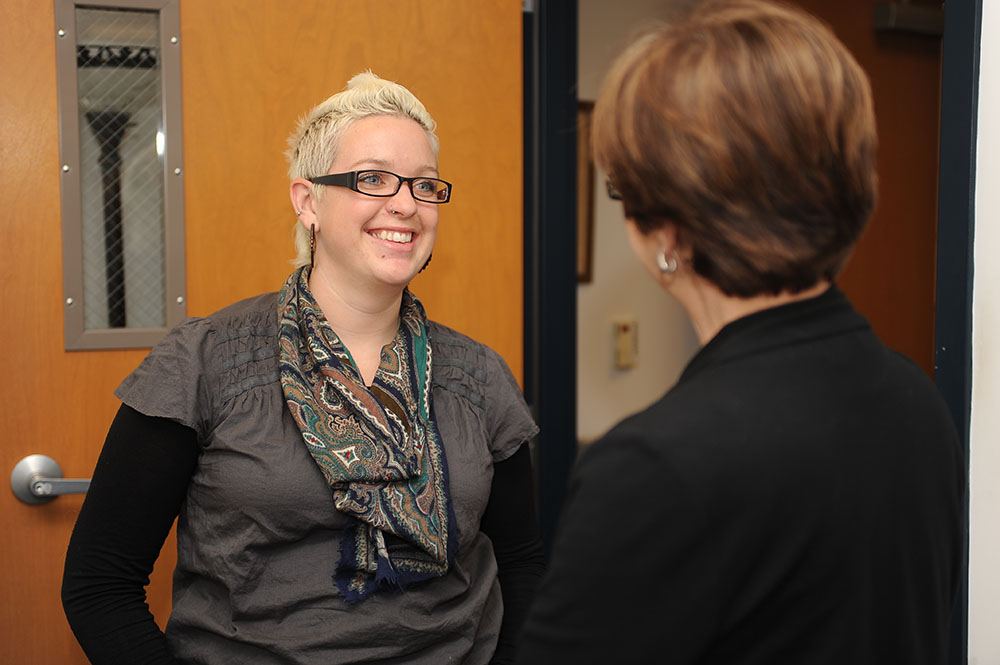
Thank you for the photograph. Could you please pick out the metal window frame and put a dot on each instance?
(175, 305)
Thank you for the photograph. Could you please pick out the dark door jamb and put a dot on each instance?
(956, 225)
(550, 37)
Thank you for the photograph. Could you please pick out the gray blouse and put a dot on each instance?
(258, 537)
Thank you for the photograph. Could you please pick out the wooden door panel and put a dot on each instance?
(891, 277)
(249, 69)
(462, 59)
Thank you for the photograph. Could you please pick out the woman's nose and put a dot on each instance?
(402, 202)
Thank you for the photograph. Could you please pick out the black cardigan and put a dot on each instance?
(796, 498)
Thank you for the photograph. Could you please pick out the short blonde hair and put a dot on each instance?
(313, 146)
(751, 128)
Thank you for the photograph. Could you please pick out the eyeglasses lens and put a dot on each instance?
(383, 183)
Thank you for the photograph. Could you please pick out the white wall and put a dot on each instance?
(620, 288)
(984, 481)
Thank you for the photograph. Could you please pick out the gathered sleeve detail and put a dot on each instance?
(205, 363)
(478, 375)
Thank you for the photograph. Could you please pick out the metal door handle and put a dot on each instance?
(38, 479)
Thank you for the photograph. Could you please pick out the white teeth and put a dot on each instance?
(394, 236)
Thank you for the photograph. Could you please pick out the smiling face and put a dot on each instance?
(370, 242)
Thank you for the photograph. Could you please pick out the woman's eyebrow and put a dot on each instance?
(386, 166)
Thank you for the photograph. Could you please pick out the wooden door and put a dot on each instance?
(250, 68)
(891, 278)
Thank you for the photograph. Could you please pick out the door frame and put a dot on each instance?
(550, 102)
(960, 50)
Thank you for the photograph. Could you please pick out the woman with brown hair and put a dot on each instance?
(796, 497)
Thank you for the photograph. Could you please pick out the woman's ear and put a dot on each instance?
(301, 194)
(666, 239)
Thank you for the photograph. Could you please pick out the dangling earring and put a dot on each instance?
(312, 246)
(426, 263)
(667, 265)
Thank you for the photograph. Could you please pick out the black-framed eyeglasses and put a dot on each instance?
(613, 192)
(387, 183)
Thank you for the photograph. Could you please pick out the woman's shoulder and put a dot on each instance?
(243, 347)
(441, 334)
(257, 311)
(476, 373)
(455, 349)
(676, 428)
(458, 357)
(251, 317)
(211, 344)
(204, 361)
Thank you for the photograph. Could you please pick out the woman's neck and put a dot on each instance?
(364, 321)
(711, 310)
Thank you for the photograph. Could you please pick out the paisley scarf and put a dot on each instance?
(378, 447)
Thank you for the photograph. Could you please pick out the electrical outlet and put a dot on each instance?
(626, 343)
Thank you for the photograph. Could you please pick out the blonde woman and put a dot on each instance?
(350, 478)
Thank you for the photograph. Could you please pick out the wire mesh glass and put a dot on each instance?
(121, 153)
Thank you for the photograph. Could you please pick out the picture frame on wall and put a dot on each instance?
(584, 195)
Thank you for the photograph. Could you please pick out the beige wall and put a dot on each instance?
(620, 288)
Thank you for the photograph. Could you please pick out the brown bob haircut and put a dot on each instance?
(750, 127)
